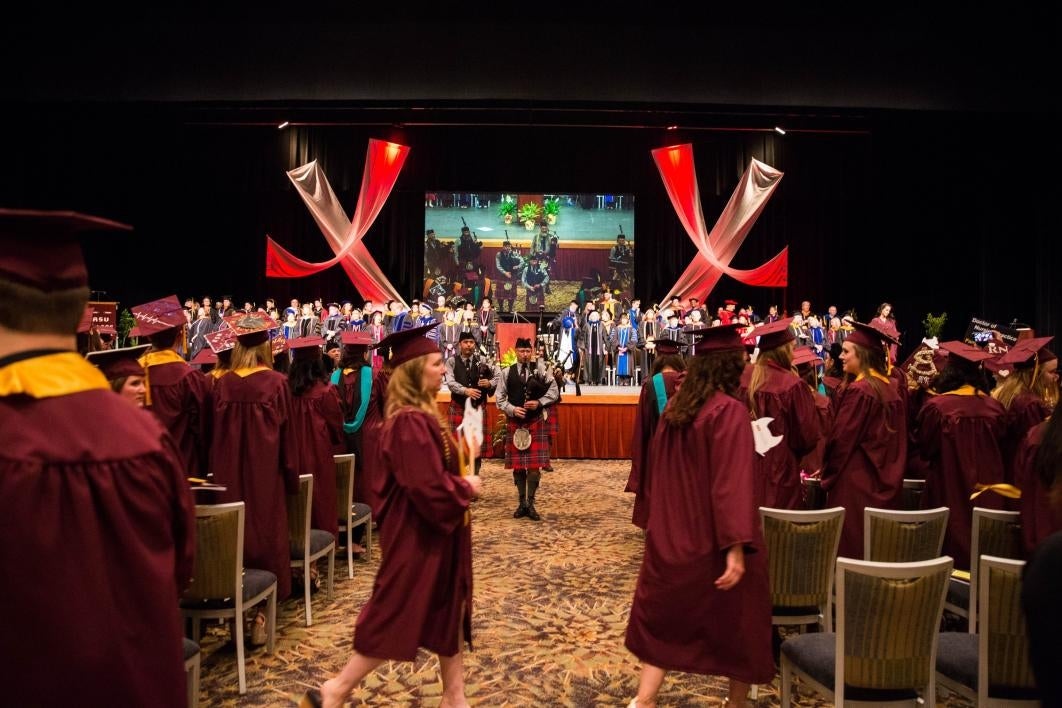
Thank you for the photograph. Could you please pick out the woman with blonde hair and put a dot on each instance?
(422, 596)
(1029, 392)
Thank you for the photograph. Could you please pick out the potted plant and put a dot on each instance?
(529, 214)
(551, 208)
(934, 325)
(507, 208)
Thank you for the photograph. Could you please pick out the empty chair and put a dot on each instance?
(903, 536)
(308, 544)
(191, 670)
(884, 649)
(221, 587)
(991, 667)
(994, 533)
(801, 549)
(351, 514)
(912, 494)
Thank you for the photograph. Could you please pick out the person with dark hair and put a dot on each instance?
(316, 427)
(256, 459)
(176, 393)
(422, 595)
(524, 394)
(702, 603)
(958, 433)
(885, 322)
(866, 453)
(468, 378)
(99, 521)
(657, 389)
(508, 264)
(536, 282)
(807, 364)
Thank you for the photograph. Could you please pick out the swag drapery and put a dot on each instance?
(383, 163)
(717, 248)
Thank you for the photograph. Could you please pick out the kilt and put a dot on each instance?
(553, 423)
(456, 413)
(534, 457)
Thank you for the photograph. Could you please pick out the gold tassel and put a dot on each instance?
(1004, 490)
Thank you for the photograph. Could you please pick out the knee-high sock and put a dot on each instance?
(533, 476)
(520, 480)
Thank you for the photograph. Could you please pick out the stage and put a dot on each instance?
(595, 425)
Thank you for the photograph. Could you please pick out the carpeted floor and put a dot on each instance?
(551, 601)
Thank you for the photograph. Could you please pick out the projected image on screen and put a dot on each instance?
(528, 252)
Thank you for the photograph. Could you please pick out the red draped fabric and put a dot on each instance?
(383, 163)
(717, 248)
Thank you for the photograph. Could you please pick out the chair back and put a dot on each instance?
(801, 549)
(299, 506)
(345, 486)
(218, 569)
(913, 492)
(993, 533)
(903, 536)
(888, 615)
(1004, 669)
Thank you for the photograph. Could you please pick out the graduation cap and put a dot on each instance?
(158, 316)
(306, 347)
(1028, 352)
(119, 363)
(205, 357)
(730, 302)
(709, 340)
(252, 328)
(333, 304)
(221, 340)
(803, 356)
(408, 344)
(278, 344)
(667, 347)
(963, 353)
(775, 334)
(356, 339)
(42, 249)
(866, 336)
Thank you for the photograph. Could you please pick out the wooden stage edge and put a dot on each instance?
(597, 425)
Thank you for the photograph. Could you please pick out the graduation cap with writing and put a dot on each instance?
(42, 249)
(666, 346)
(1027, 353)
(119, 363)
(221, 340)
(710, 340)
(251, 329)
(158, 316)
(306, 347)
(356, 339)
(775, 334)
(278, 344)
(803, 356)
(408, 344)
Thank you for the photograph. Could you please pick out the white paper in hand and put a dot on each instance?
(471, 430)
(762, 436)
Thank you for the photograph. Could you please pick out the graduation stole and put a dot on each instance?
(874, 374)
(964, 390)
(244, 373)
(51, 375)
(166, 356)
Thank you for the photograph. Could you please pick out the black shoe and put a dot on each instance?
(521, 511)
(547, 468)
(531, 513)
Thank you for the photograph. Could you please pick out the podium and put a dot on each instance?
(508, 332)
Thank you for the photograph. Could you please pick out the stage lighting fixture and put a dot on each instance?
(283, 125)
(779, 130)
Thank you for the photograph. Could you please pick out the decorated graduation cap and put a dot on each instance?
(775, 334)
(221, 340)
(42, 249)
(804, 356)
(158, 316)
(667, 347)
(251, 329)
(306, 347)
(278, 344)
(1028, 352)
(119, 363)
(408, 344)
(962, 353)
(709, 340)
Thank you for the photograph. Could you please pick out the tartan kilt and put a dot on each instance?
(553, 423)
(534, 457)
(456, 413)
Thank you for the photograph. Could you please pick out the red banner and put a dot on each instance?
(105, 316)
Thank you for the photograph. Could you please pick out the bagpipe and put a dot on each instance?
(483, 369)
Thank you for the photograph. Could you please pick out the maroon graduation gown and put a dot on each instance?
(180, 399)
(788, 400)
(97, 539)
(370, 445)
(317, 427)
(422, 595)
(703, 502)
(866, 454)
(1038, 519)
(255, 457)
(813, 461)
(1026, 412)
(958, 434)
(645, 420)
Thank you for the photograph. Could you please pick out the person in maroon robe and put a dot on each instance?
(885, 323)
(354, 382)
(98, 520)
(1028, 391)
(1037, 466)
(257, 458)
(771, 389)
(702, 603)
(177, 394)
(123, 371)
(422, 595)
(807, 364)
(959, 432)
(657, 390)
(866, 453)
(317, 427)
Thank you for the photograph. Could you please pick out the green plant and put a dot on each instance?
(508, 358)
(530, 211)
(126, 322)
(551, 206)
(506, 206)
(497, 438)
(934, 324)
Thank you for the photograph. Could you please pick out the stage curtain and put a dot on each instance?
(383, 163)
(718, 247)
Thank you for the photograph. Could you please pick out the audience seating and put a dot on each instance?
(308, 544)
(903, 536)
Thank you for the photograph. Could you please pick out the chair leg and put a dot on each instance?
(350, 552)
(272, 634)
(306, 590)
(785, 690)
(332, 573)
(193, 684)
(368, 540)
(754, 692)
(196, 628)
(237, 635)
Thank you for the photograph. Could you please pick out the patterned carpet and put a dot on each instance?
(550, 610)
